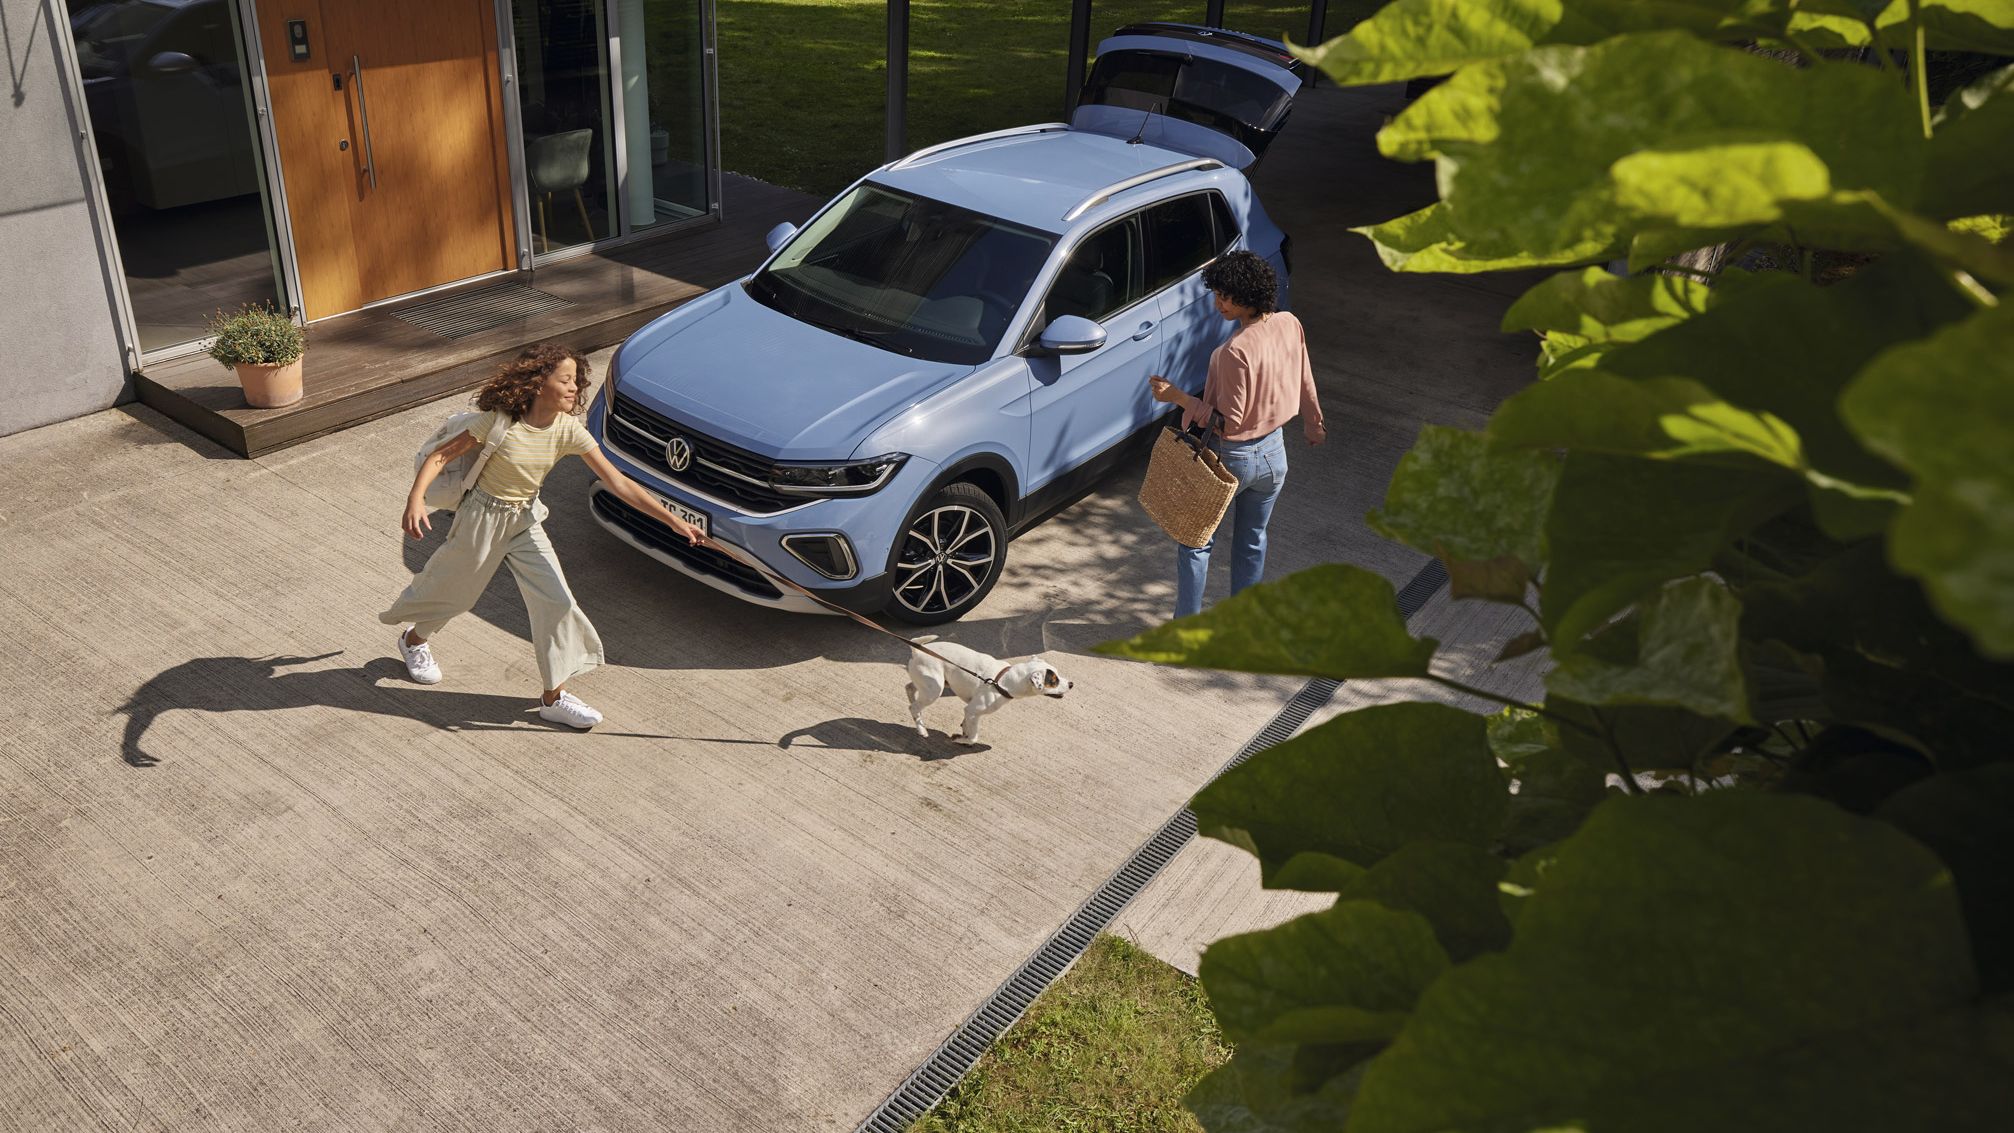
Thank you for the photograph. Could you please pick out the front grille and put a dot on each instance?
(660, 538)
(642, 433)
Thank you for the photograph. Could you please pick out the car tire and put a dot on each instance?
(951, 551)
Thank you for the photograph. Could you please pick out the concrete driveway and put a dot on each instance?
(251, 878)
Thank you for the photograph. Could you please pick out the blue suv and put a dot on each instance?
(958, 345)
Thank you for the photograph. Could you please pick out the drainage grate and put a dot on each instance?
(472, 312)
(928, 1084)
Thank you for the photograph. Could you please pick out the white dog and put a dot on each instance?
(928, 677)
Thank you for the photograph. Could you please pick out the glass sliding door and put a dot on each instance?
(664, 110)
(563, 105)
(165, 87)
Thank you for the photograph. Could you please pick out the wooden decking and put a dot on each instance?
(368, 364)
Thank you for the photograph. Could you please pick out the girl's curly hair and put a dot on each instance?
(516, 383)
(1245, 279)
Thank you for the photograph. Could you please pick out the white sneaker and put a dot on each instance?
(419, 661)
(570, 711)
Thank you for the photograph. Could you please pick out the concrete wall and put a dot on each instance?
(62, 354)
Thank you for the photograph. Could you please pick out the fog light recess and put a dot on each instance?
(828, 554)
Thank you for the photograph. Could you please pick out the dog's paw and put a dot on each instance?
(968, 741)
(923, 731)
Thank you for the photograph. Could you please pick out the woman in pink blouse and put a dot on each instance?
(1259, 380)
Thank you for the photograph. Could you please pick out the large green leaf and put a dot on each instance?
(1965, 819)
(1681, 650)
(1599, 305)
(1345, 975)
(1884, 659)
(1788, 350)
(1554, 792)
(1737, 960)
(1621, 527)
(1456, 496)
(1412, 38)
(1333, 621)
(1723, 185)
(1426, 241)
(1258, 1091)
(1651, 738)
(1594, 411)
(1944, 409)
(1452, 884)
(1360, 787)
(1972, 150)
(1527, 145)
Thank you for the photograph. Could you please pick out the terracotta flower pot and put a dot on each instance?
(269, 387)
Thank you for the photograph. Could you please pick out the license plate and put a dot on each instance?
(696, 518)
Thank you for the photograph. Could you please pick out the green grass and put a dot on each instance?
(1111, 1048)
(802, 81)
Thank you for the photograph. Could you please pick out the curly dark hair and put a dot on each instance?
(516, 383)
(1245, 279)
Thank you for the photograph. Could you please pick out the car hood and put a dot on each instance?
(738, 371)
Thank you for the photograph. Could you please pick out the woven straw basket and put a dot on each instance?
(1187, 488)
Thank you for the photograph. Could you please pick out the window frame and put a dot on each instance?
(1220, 212)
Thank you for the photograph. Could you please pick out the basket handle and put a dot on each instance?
(1214, 427)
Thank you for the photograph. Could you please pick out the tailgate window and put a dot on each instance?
(1230, 100)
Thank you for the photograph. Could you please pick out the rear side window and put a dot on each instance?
(1183, 235)
(1227, 225)
(1103, 275)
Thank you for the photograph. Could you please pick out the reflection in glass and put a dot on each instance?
(164, 83)
(663, 110)
(562, 57)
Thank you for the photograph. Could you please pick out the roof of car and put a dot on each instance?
(1029, 178)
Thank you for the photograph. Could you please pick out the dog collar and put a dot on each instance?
(997, 686)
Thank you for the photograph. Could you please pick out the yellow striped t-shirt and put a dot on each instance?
(524, 455)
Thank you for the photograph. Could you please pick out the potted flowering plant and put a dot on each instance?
(265, 347)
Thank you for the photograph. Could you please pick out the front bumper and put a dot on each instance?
(869, 524)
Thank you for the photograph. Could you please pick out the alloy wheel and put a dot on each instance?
(947, 555)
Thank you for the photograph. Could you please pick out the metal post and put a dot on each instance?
(1213, 14)
(1080, 47)
(898, 78)
(1318, 14)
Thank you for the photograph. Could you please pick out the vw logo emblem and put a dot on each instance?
(678, 454)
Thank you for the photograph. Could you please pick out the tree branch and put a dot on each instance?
(1510, 702)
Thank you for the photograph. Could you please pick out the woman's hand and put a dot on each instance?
(1315, 431)
(417, 524)
(1165, 390)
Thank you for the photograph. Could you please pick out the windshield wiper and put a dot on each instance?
(870, 337)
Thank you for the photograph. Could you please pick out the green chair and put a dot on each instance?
(558, 163)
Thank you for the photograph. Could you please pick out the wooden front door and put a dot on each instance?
(391, 139)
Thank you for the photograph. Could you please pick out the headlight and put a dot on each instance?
(852, 478)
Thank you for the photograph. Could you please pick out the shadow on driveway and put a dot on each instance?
(256, 684)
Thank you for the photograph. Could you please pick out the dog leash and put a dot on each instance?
(992, 681)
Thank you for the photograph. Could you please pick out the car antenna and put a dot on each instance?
(1146, 116)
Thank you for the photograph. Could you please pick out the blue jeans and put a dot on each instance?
(1261, 468)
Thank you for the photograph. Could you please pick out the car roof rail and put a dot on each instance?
(1134, 182)
(956, 143)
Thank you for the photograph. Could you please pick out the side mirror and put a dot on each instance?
(171, 63)
(1071, 334)
(780, 235)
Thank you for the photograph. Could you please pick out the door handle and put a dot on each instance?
(1146, 329)
(364, 115)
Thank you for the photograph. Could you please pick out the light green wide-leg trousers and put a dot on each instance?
(488, 533)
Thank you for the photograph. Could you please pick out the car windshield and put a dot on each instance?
(906, 273)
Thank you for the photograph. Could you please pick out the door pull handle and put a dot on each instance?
(1146, 329)
(364, 115)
